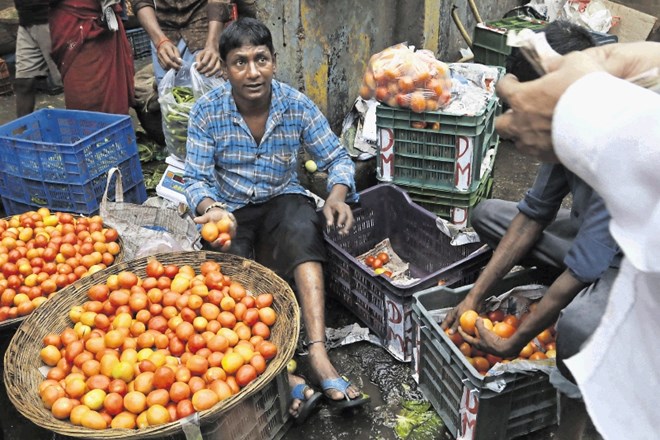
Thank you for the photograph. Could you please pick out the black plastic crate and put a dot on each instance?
(386, 211)
(460, 394)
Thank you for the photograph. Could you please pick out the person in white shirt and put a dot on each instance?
(605, 129)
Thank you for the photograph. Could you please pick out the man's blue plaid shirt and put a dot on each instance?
(224, 163)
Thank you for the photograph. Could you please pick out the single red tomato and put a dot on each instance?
(384, 257)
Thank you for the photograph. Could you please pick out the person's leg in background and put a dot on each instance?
(26, 74)
(491, 218)
(53, 84)
(33, 62)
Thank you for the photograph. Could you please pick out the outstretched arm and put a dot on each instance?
(519, 238)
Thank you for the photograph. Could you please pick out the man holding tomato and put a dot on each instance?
(537, 231)
(241, 163)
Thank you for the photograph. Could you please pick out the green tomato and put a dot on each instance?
(310, 166)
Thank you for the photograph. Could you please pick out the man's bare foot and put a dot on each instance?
(323, 370)
(304, 398)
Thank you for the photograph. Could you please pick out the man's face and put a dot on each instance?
(250, 70)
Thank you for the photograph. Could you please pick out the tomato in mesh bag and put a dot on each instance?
(402, 77)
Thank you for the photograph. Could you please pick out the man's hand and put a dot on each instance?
(489, 342)
(528, 123)
(208, 62)
(451, 319)
(337, 213)
(169, 56)
(215, 215)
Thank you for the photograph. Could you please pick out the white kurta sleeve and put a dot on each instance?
(607, 131)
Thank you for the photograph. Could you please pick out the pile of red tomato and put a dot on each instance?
(377, 262)
(42, 252)
(147, 351)
(543, 346)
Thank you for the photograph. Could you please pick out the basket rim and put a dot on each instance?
(10, 323)
(36, 323)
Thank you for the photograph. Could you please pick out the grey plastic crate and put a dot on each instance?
(459, 393)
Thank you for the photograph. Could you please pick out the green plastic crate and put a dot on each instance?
(455, 207)
(445, 155)
(489, 39)
(460, 394)
(451, 205)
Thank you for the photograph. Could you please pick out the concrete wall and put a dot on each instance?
(323, 46)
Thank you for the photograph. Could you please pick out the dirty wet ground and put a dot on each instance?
(373, 369)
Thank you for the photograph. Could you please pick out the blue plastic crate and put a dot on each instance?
(70, 146)
(140, 43)
(59, 159)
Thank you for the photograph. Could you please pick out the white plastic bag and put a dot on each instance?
(178, 91)
(592, 14)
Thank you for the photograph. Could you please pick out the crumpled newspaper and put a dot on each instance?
(359, 134)
(336, 337)
(398, 267)
(592, 14)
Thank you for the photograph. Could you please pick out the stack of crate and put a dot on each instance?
(443, 161)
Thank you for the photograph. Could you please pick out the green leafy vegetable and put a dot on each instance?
(418, 421)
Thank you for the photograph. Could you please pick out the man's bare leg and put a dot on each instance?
(311, 294)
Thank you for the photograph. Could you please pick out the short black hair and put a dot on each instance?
(245, 31)
(563, 36)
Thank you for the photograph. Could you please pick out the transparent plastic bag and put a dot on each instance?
(399, 76)
(178, 91)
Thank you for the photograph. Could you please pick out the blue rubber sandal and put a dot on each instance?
(341, 384)
(307, 406)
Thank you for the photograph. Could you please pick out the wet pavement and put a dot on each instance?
(372, 368)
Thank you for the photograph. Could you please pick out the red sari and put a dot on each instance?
(96, 64)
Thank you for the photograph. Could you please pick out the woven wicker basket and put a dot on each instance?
(10, 323)
(22, 359)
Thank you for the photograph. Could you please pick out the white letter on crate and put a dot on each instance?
(385, 171)
(463, 172)
(468, 413)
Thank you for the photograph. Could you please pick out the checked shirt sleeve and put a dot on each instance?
(328, 151)
(199, 173)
